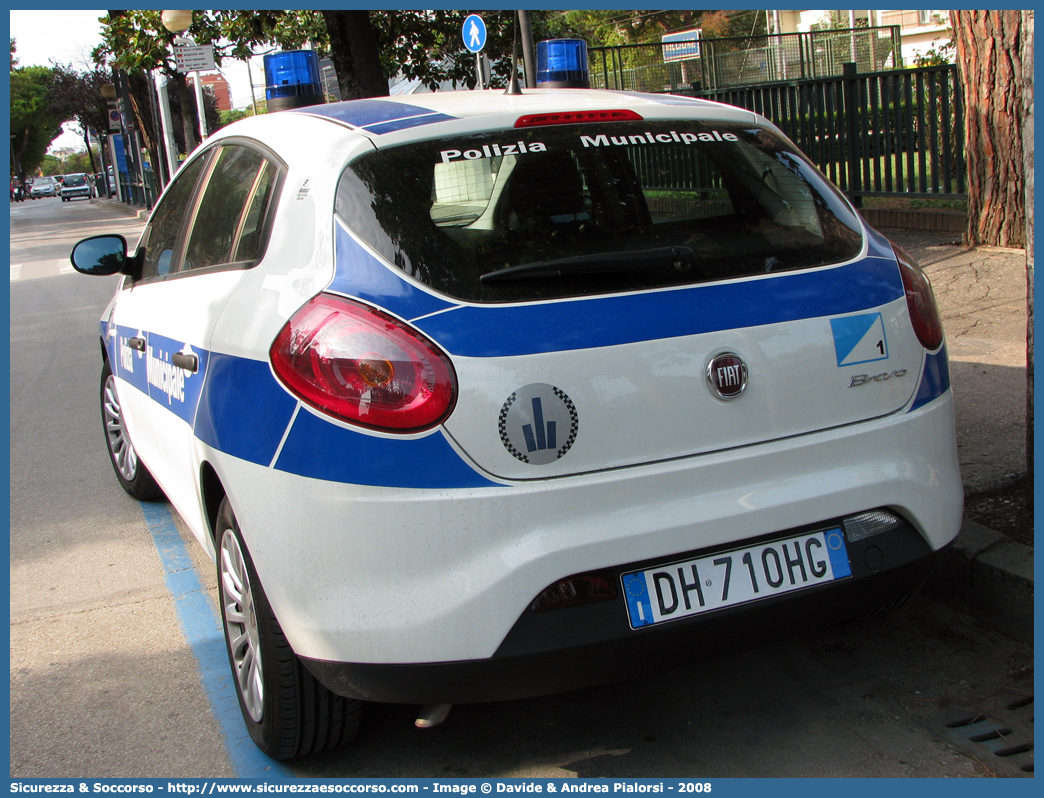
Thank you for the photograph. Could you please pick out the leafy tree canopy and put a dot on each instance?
(35, 121)
(136, 40)
(370, 47)
(604, 28)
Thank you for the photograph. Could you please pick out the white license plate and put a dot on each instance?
(691, 587)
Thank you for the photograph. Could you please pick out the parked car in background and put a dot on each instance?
(44, 187)
(100, 187)
(76, 186)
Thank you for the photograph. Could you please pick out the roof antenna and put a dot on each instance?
(513, 87)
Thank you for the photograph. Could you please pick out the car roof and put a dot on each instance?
(493, 108)
(388, 121)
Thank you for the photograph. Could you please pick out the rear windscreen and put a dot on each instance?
(574, 210)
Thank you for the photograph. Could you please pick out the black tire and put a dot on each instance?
(134, 477)
(287, 712)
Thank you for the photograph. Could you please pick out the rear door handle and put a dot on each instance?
(136, 343)
(187, 362)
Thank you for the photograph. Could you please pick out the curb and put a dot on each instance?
(994, 485)
(935, 219)
(127, 210)
(988, 577)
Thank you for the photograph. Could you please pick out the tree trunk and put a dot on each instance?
(189, 115)
(19, 141)
(139, 87)
(355, 54)
(90, 154)
(989, 57)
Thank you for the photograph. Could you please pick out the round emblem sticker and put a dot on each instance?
(538, 424)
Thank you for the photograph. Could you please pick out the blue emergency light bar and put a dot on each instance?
(292, 80)
(562, 64)
(292, 73)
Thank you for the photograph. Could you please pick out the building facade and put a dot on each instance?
(217, 86)
(920, 30)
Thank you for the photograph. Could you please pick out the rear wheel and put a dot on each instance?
(287, 712)
(134, 477)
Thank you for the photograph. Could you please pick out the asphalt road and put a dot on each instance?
(104, 683)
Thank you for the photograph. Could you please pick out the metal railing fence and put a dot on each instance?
(717, 63)
(881, 133)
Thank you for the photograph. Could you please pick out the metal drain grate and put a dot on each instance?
(1002, 736)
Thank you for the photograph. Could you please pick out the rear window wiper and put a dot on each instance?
(678, 257)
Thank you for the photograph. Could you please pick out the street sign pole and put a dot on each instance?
(170, 150)
(190, 59)
(203, 132)
(474, 34)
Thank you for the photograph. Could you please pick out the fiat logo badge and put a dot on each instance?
(727, 375)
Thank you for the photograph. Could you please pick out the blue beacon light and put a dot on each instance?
(562, 64)
(292, 80)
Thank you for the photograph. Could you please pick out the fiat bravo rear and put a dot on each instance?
(493, 396)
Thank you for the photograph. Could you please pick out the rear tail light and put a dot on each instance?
(363, 366)
(920, 300)
(576, 590)
(577, 118)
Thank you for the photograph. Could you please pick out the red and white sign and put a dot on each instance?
(194, 58)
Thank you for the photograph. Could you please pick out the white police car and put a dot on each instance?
(480, 396)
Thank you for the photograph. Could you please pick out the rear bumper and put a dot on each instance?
(559, 650)
(383, 576)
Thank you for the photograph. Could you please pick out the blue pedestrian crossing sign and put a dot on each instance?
(474, 33)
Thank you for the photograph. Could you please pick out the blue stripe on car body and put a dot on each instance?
(129, 364)
(318, 449)
(109, 342)
(613, 320)
(361, 275)
(503, 331)
(403, 124)
(935, 379)
(173, 387)
(377, 116)
(250, 430)
(315, 447)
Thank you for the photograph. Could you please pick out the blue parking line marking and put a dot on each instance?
(202, 629)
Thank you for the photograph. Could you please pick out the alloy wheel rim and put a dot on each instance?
(123, 454)
(240, 614)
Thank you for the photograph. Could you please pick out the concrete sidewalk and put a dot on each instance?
(981, 294)
(140, 211)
